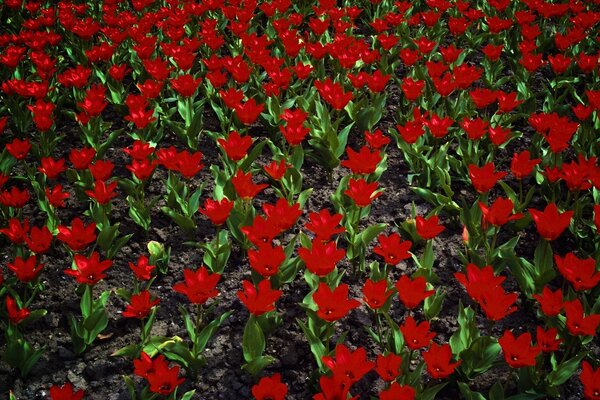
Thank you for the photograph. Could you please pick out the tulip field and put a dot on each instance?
(299, 199)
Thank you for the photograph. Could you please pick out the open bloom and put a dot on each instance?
(518, 352)
(392, 248)
(217, 210)
(349, 365)
(550, 223)
(590, 378)
(581, 273)
(140, 305)
(25, 270)
(439, 361)
(199, 286)
(333, 304)
(412, 291)
(428, 228)
(361, 192)
(322, 257)
(65, 392)
(270, 388)
(89, 270)
(499, 213)
(78, 236)
(259, 300)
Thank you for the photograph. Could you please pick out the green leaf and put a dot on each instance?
(480, 356)
(86, 302)
(188, 395)
(253, 340)
(430, 393)
(258, 364)
(185, 223)
(497, 391)
(468, 393)
(316, 346)
(209, 330)
(366, 236)
(565, 370)
(253, 155)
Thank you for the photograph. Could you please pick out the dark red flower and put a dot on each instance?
(397, 391)
(56, 197)
(65, 392)
(270, 388)
(412, 88)
(590, 378)
(102, 192)
(51, 167)
(277, 170)
(577, 322)
(89, 270)
(140, 305)
(139, 150)
(79, 236)
(375, 294)
(522, 165)
(550, 302)
(259, 300)
(439, 361)
(39, 239)
(15, 314)
(500, 212)
(199, 286)
(217, 210)
(376, 139)
(361, 192)
(267, 259)
(142, 270)
(333, 304)
(25, 270)
(478, 280)
(142, 169)
(14, 197)
(244, 186)
(518, 352)
(322, 257)
(333, 93)
(392, 248)
(388, 367)
(324, 225)
(547, 339)
(412, 291)
(164, 380)
(283, 214)
(484, 178)
(475, 128)
(348, 365)
(185, 85)
(18, 148)
(416, 336)
(81, 158)
(581, 273)
(428, 228)
(496, 303)
(16, 231)
(248, 112)
(236, 147)
(102, 169)
(550, 223)
(362, 163)
(262, 231)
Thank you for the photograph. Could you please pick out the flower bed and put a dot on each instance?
(311, 199)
